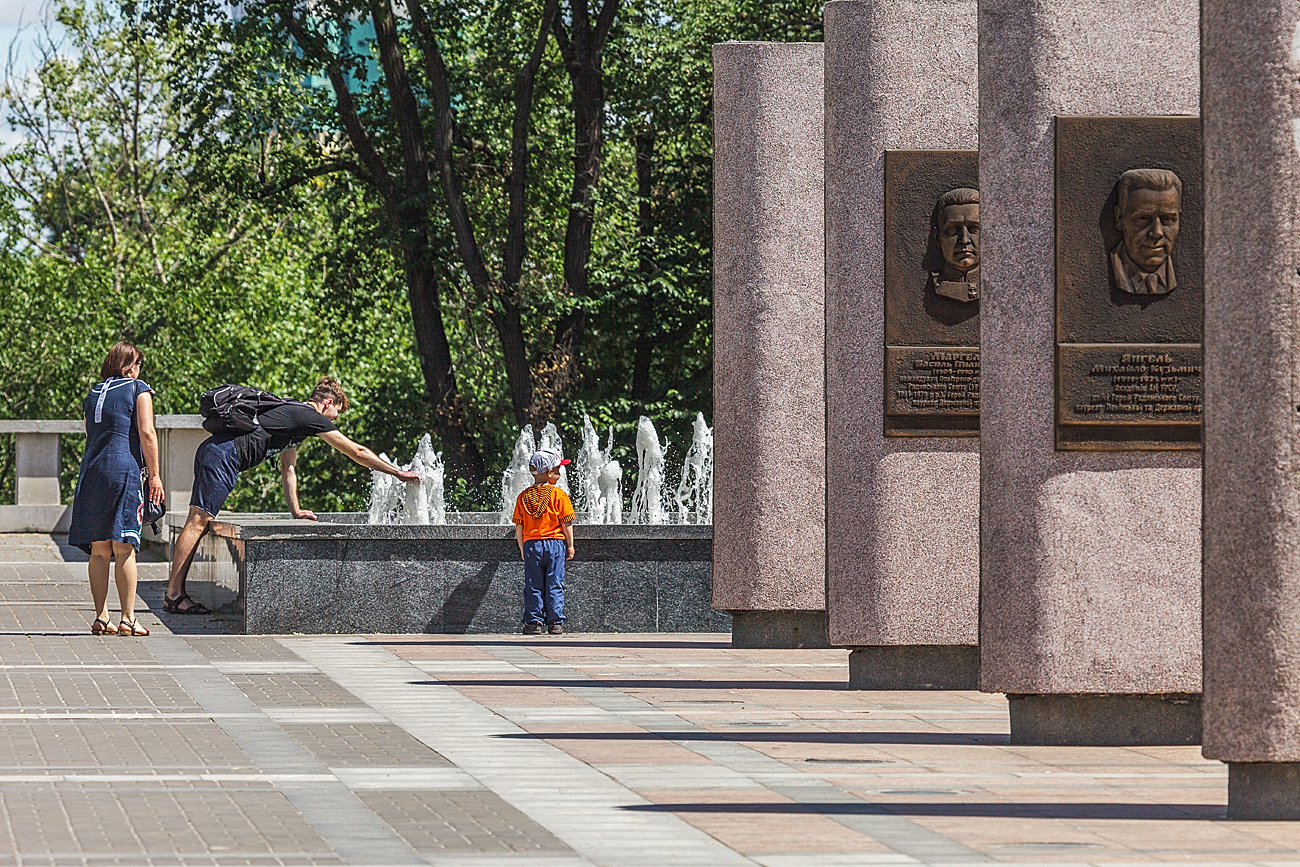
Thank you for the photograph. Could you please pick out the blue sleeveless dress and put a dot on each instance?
(109, 502)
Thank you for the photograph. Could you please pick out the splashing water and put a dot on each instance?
(610, 506)
(587, 466)
(395, 502)
(516, 476)
(600, 478)
(695, 491)
(648, 496)
(386, 495)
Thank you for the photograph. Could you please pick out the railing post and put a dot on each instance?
(179, 437)
(38, 469)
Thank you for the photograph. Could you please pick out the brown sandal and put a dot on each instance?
(101, 627)
(131, 628)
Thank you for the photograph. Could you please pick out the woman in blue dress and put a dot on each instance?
(108, 508)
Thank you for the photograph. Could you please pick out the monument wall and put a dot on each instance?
(1090, 527)
(769, 418)
(1252, 441)
(902, 358)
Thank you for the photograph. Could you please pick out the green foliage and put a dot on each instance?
(182, 183)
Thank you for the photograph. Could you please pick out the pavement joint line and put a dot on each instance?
(351, 828)
(164, 778)
(129, 716)
(95, 666)
(897, 832)
(574, 801)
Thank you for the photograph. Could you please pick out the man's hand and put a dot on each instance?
(407, 476)
(305, 514)
(569, 553)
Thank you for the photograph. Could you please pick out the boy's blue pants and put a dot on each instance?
(544, 580)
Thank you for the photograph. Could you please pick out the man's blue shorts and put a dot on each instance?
(216, 470)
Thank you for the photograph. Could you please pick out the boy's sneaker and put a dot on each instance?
(532, 629)
(555, 629)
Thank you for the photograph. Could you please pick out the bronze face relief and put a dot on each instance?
(1149, 204)
(955, 231)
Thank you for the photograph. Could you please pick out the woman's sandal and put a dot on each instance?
(173, 606)
(101, 627)
(131, 628)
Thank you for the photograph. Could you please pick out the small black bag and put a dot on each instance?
(150, 513)
(153, 513)
(235, 408)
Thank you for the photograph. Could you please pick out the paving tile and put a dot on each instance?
(199, 747)
(469, 821)
(294, 690)
(363, 744)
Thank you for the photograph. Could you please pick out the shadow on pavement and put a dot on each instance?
(722, 642)
(666, 683)
(768, 735)
(1164, 812)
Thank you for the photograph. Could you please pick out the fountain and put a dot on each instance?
(422, 502)
(408, 565)
(600, 478)
(648, 495)
(516, 476)
(695, 491)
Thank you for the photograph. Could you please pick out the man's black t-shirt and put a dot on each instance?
(278, 429)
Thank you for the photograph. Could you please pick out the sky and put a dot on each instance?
(19, 19)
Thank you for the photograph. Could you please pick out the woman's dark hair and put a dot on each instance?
(120, 357)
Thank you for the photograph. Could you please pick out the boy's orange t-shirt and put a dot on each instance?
(542, 510)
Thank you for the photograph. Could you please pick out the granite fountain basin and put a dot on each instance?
(270, 574)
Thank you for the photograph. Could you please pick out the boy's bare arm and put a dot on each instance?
(568, 539)
(519, 539)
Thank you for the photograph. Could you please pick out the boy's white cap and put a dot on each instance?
(545, 460)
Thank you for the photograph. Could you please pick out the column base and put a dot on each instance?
(1164, 719)
(915, 666)
(779, 629)
(1264, 791)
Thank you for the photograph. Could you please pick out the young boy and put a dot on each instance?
(544, 530)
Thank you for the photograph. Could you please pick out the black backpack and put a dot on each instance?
(235, 408)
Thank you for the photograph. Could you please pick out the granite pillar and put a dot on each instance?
(1251, 127)
(902, 511)
(769, 408)
(1090, 560)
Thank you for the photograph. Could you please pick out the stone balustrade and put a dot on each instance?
(38, 503)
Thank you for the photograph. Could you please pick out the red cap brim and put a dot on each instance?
(564, 461)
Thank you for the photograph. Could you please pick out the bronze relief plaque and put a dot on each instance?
(932, 330)
(1129, 216)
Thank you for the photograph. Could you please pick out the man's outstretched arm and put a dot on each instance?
(365, 456)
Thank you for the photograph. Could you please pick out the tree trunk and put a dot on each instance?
(460, 452)
(583, 48)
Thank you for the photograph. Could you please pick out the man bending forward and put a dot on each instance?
(222, 457)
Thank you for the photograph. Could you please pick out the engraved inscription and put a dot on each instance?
(1126, 384)
(933, 380)
(1151, 384)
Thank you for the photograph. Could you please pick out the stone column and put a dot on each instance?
(902, 511)
(1252, 441)
(37, 460)
(1090, 560)
(769, 419)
